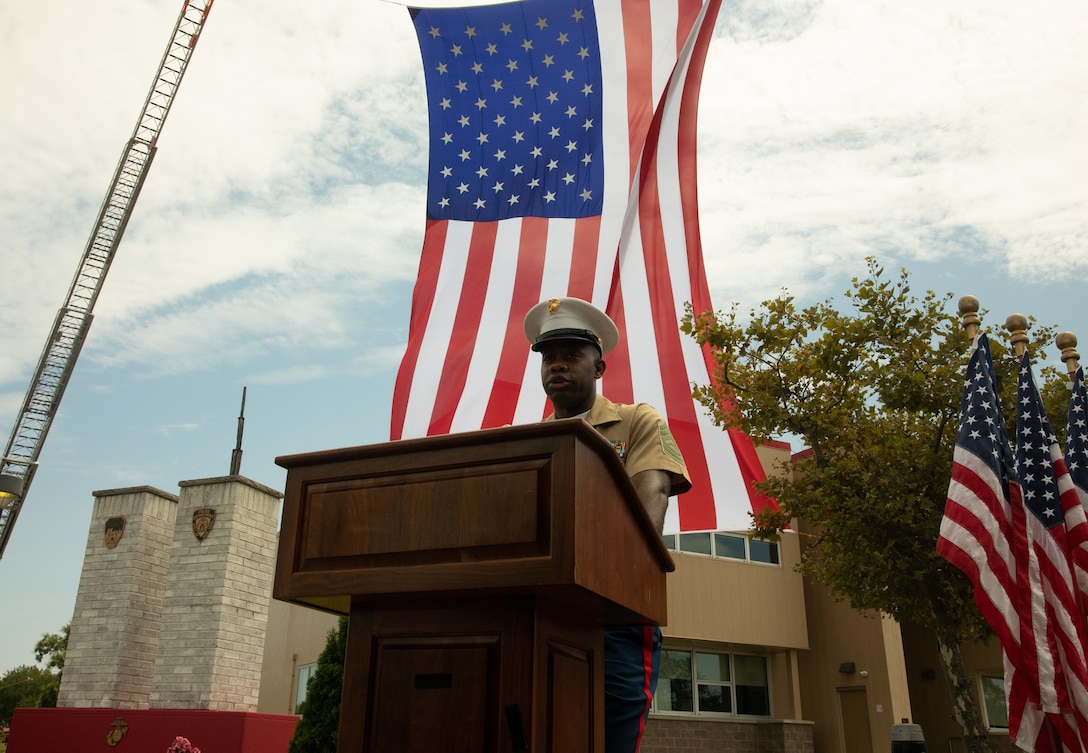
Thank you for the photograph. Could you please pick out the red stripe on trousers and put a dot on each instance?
(647, 674)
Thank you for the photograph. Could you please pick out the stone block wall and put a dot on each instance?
(215, 611)
(118, 610)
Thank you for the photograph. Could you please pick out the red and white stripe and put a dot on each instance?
(976, 536)
(1055, 616)
(467, 365)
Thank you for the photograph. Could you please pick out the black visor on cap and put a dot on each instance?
(582, 335)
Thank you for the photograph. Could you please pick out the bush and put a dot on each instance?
(317, 729)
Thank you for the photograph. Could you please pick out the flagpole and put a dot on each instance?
(1017, 325)
(968, 306)
(1067, 343)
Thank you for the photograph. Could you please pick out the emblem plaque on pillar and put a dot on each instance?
(203, 522)
(115, 529)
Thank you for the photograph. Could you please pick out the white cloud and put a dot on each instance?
(922, 130)
(170, 429)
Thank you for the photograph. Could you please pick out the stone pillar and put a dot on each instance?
(216, 608)
(115, 626)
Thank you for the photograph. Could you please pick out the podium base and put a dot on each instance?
(486, 676)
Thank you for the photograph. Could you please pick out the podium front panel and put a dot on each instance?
(429, 515)
(545, 509)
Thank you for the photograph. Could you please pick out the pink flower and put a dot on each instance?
(182, 745)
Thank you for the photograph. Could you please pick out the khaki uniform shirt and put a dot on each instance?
(642, 439)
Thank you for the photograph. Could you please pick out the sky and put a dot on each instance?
(275, 243)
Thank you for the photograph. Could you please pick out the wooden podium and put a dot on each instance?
(479, 571)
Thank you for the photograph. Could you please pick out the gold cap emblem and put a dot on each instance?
(570, 319)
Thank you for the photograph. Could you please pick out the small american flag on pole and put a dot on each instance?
(1076, 437)
(1057, 568)
(1076, 462)
(562, 163)
(983, 530)
(977, 529)
(1014, 526)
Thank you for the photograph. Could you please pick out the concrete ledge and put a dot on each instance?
(238, 479)
(134, 490)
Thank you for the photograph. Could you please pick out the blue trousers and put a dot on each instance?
(632, 656)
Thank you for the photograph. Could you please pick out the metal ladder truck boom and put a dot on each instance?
(20, 459)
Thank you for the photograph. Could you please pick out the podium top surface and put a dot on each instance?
(544, 507)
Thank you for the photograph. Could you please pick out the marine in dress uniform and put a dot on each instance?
(572, 337)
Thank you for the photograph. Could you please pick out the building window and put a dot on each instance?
(763, 551)
(728, 545)
(734, 546)
(674, 682)
(713, 675)
(696, 543)
(707, 683)
(305, 672)
(751, 686)
(993, 701)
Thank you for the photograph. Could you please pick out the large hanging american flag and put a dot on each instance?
(562, 163)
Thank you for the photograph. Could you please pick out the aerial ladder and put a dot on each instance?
(20, 459)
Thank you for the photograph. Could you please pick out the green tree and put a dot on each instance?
(31, 686)
(317, 729)
(27, 687)
(873, 390)
(52, 648)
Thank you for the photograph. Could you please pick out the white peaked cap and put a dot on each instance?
(570, 319)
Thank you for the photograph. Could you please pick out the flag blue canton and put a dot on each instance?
(982, 426)
(1034, 439)
(514, 96)
(1076, 434)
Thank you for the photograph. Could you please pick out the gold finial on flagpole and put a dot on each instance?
(969, 311)
(1067, 343)
(1017, 325)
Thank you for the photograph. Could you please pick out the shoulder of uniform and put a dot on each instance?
(643, 411)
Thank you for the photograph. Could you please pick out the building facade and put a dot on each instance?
(756, 658)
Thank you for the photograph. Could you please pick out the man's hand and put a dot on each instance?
(653, 491)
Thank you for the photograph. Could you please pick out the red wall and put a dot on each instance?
(149, 731)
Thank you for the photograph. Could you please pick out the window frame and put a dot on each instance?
(731, 683)
(983, 697)
(672, 543)
(301, 684)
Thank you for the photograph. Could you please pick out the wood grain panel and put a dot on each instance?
(433, 515)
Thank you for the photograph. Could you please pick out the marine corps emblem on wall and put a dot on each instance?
(117, 732)
(203, 520)
(115, 529)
